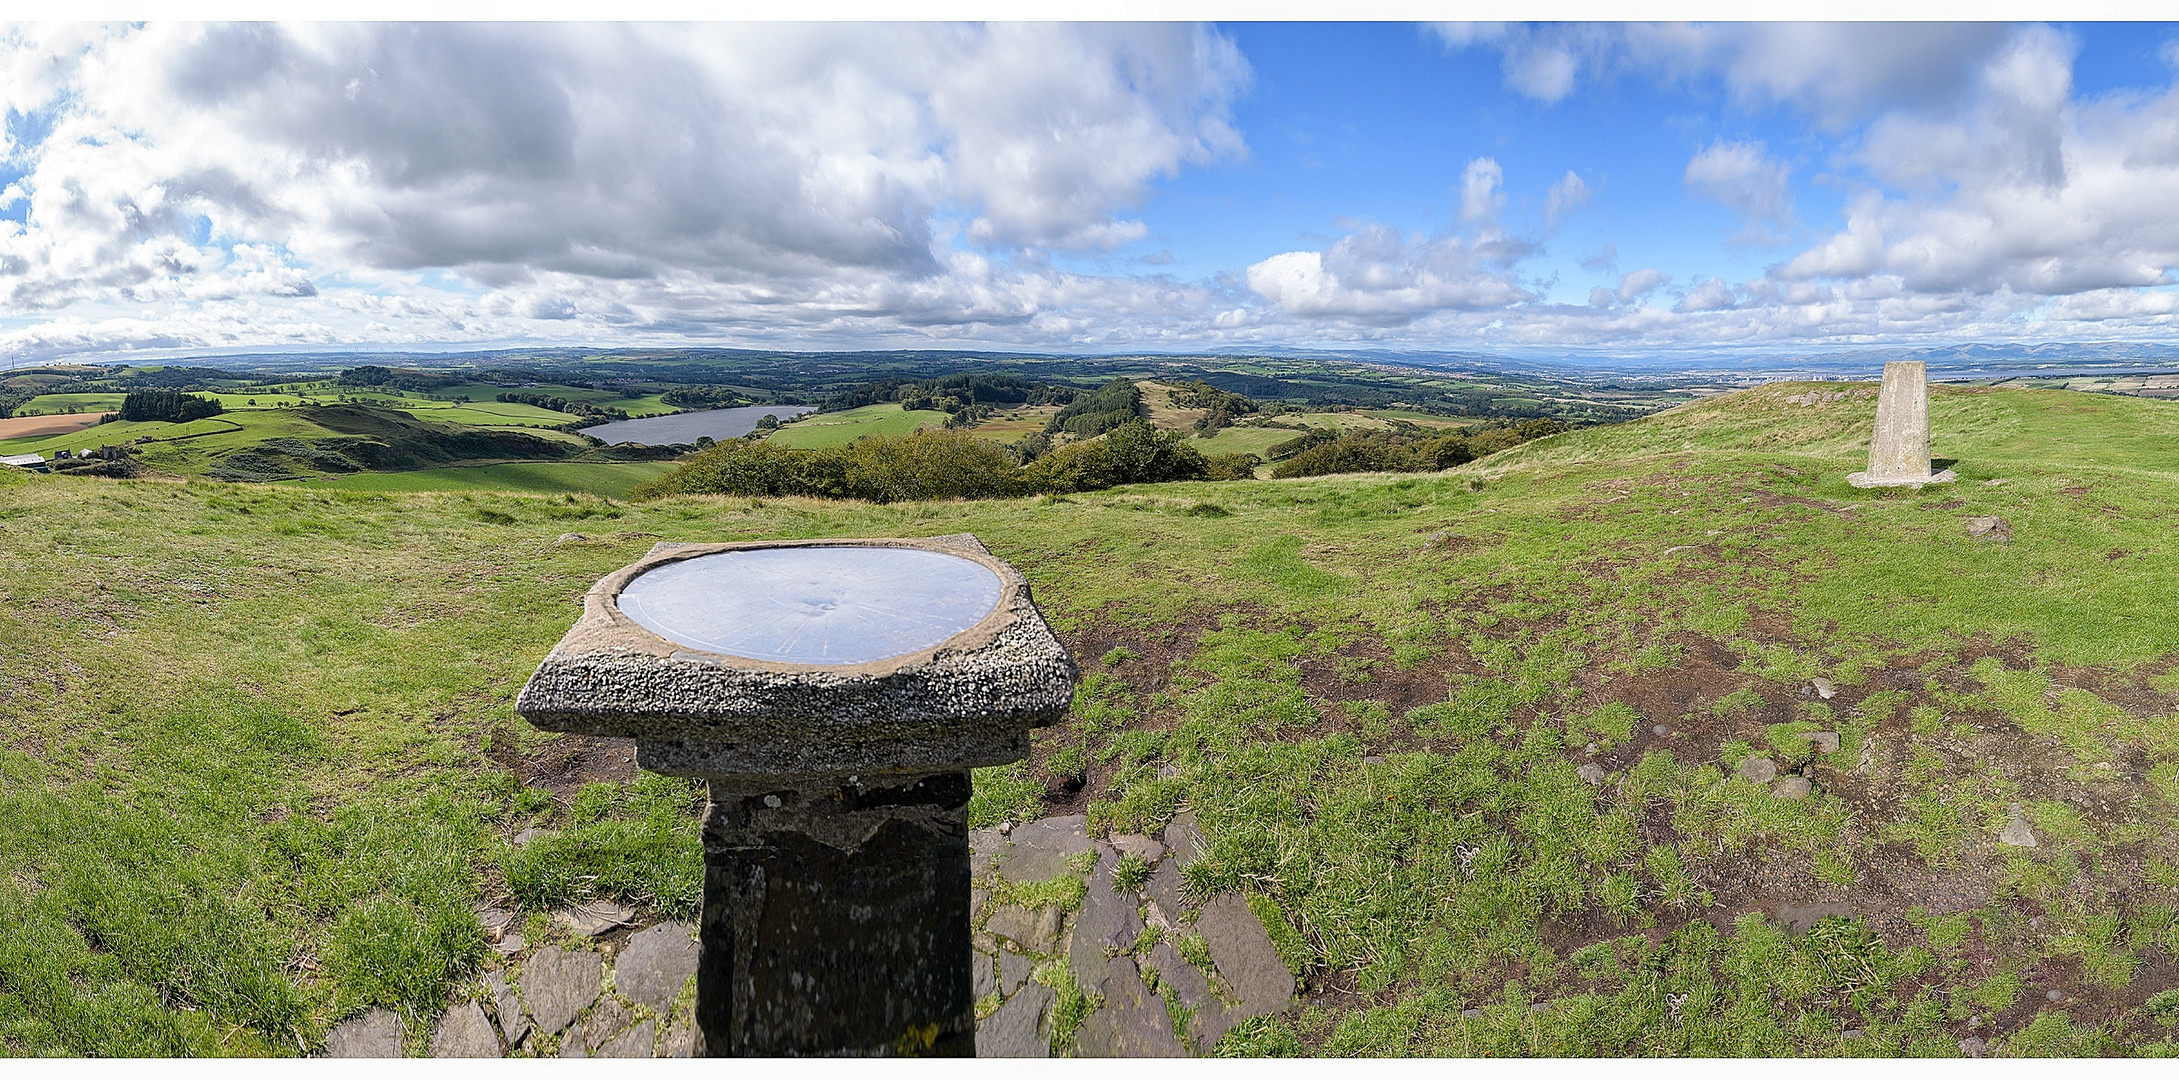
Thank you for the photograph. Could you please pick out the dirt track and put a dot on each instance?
(56, 424)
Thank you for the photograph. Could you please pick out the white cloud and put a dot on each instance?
(1641, 283)
(1480, 198)
(1834, 71)
(1739, 175)
(1710, 295)
(1376, 276)
(1571, 193)
(647, 173)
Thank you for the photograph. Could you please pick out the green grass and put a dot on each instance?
(833, 429)
(255, 748)
(550, 477)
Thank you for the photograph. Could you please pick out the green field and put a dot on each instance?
(49, 404)
(1471, 742)
(611, 480)
(1251, 439)
(820, 430)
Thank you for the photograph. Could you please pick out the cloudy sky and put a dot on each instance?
(1085, 187)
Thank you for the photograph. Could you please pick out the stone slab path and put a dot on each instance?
(620, 994)
(1137, 988)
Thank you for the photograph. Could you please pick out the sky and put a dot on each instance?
(1586, 189)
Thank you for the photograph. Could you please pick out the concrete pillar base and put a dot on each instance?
(834, 919)
(1869, 480)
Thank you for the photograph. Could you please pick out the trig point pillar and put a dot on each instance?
(834, 693)
(1899, 447)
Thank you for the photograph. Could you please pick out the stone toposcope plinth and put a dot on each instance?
(1899, 445)
(834, 694)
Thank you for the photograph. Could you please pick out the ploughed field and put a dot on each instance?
(1651, 739)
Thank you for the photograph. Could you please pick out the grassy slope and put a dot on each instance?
(612, 480)
(834, 429)
(255, 735)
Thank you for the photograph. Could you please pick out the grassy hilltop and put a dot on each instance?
(257, 756)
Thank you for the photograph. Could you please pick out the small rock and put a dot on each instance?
(607, 1019)
(1823, 688)
(1471, 1014)
(1590, 749)
(1244, 955)
(594, 918)
(655, 965)
(1826, 742)
(636, 1042)
(513, 1022)
(2017, 833)
(1990, 528)
(2055, 995)
(982, 982)
(558, 984)
(1183, 839)
(1134, 1022)
(523, 838)
(464, 1033)
(1661, 731)
(1758, 769)
(494, 920)
(1868, 756)
(1167, 897)
(1434, 539)
(1974, 1046)
(1108, 921)
(1168, 771)
(564, 539)
(1014, 971)
(375, 1034)
(1993, 483)
(1040, 849)
(679, 1041)
(1035, 931)
(1792, 787)
(1017, 1029)
(1149, 849)
(1592, 774)
(1801, 918)
(1180, 979)
(509, 944)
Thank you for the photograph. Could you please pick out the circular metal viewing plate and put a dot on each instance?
(824, 605)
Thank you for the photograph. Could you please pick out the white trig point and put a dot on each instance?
(1899, 447)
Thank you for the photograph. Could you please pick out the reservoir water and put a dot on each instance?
(688, 427)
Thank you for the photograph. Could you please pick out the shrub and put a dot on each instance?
(1133, 453)
(929, 465)
(1231, 467)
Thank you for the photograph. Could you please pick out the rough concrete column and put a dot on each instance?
(870, 676)
(835, 921)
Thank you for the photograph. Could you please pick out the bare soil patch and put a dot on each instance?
(23, 427)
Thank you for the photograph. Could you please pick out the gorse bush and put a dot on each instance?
(938, 465)
(1134, 453)
(1313, 454)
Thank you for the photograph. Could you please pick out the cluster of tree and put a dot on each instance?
(172, 405)
(1323, 451)
(703, 397)
(942, 465)
(953, 394)
(1221, 407)
(561, 404)
(10, 400)
(398, 378)
(1101, 410)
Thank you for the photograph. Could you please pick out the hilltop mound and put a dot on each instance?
(1653, 739)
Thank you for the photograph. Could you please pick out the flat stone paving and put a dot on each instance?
(626, 993)
(1096, 946)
